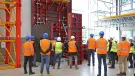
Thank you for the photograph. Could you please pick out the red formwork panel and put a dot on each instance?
(75, 24)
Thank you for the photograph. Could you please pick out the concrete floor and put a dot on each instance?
(83, 70)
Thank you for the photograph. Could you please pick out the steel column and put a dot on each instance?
(18, 32)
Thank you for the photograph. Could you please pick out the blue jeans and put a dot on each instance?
(59, 57)
(45, 60)
(109, 56)
(91, 52)
(34, 59)
(100, 57)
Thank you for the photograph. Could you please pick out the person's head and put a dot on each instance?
(91, 35)
(27, 38)
(131, 39)
(32, 37)
(45, 35)
(101, 34)
(59, 39)
(72, 38)
(111, 38)
(123, 36)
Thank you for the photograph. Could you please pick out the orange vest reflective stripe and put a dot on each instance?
(91, 43)
(45, 44)
(101, 45)
(53, 43)
(72, 46)
(28, 49)
(123, 48)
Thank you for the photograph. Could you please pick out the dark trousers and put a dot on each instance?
(113, 56)
(131, 59)
(26, 59)
(91, 53)
(100, 58)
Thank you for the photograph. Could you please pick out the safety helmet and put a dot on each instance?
(131, 38)
(32, 37)
(91, 35)
(124, 35)
(59, 39)
(27, 38)
(45, 35)
(72, 37)
(55, 38)
(101, 33)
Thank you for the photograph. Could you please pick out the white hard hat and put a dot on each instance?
(131, 38)
(59, 39)
(124, 35)
(72, 37)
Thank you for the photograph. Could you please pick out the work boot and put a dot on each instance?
(99, 75)
(120, 74)
(25, 72)
(76, 67)
(88, 64)
(112, 67)
(35, 65)
(124, 74)
(41, 74)
(105, 74)
(30, 73)
(130, 67)
(70, 67)
(49, 75)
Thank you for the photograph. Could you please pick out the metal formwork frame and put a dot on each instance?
(12, 10)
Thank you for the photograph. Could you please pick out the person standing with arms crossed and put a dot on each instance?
(123, 53)
(46, 47)
(91, 44)
(101, 46)
(28, 52)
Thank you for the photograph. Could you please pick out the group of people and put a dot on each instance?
(122, 51)
(49, 48)
(54, 48)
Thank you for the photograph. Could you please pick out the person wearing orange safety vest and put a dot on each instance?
(46, 47)
(123, 53)
(53, 52)
(101, 46)
(73, 51)
(131, 53)
(28, 52)
(91, 45)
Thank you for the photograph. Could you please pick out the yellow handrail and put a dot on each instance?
(9, 12)
(2, 56)
(10, 55)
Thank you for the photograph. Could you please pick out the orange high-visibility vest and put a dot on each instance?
(123, 48)
(45, 44)
(91, 43)
(28, 49)
(72, 46)
(53, 44)
(101, 45)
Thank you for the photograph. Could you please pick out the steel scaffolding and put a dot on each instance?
(10, 20)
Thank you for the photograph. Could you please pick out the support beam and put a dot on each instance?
(105, 1)
(18, 32)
